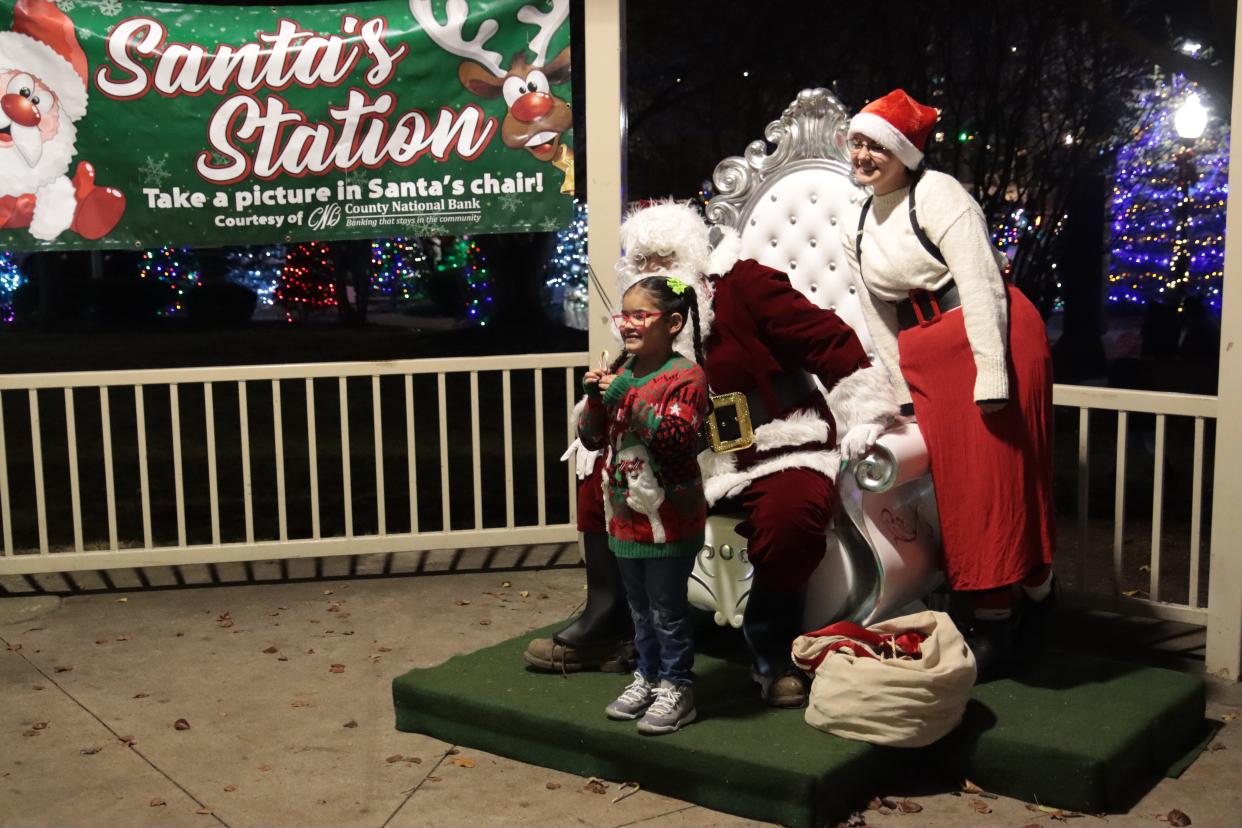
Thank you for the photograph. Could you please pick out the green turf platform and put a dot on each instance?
(1073, 732)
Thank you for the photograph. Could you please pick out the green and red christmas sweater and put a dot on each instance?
(653, 490)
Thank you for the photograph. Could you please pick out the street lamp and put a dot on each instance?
(1189, 120)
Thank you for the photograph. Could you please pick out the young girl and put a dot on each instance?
(646, 409)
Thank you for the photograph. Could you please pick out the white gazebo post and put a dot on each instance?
(605, 127)
(1224, 632)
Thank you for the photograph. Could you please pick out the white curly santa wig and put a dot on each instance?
(663, 229)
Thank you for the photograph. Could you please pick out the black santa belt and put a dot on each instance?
(735, 415)
(925, 306)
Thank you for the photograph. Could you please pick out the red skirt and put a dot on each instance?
(992, 472)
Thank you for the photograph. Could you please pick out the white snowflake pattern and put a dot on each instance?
(424, 229)
(359, 177)
(66, 5)
(109, 8)
(510, 202)
(154, 171)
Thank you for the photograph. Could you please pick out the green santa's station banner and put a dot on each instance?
(134, 124)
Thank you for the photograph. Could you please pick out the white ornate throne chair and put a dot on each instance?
(789, 205)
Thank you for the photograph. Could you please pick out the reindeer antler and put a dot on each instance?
(548, 22)
(449, 37)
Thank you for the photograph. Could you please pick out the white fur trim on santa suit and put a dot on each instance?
(887, 136)
(721, 477)
(865, 396)
(23, 53)
(55, 204)
(726, 252)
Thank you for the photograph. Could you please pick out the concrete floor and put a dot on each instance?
(268, 704)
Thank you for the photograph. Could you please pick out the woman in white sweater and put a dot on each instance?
(969, 358)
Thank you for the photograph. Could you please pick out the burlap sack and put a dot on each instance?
(867, 687)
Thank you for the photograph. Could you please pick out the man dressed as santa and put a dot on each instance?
(43, 91)
(762, 339)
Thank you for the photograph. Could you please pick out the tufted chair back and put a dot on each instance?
(790, 206)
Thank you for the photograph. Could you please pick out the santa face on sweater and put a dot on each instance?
(36, 138)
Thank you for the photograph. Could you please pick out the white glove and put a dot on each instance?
(859, 440)
(584, 459)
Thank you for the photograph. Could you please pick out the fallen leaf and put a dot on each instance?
(181, 724)
(1216, 746)
(302, 703)
(1224, 717)
(141, 695)
(39, 726)
(230, 788)
(1178, 818)
(461, 603)
(1133, 593)
(282, 607)
(203, 811)
(542, 596)
(327, 592)
(310, 652)
(412, 760)
(875, 804)
(271, 650)
(908, 806)
(595, 786)
(122, 638)
(525, 593)
(101, 641)
(64, 669)
(433, 779)
(396, 757)
(122, 600)
(156, 803)
(553, 786)
(265, 768)
(14, 647)
(282, 658)
(463, 762)
(337, 668)
(350, 723)
(452, 752)
(485, 623)
(626, 789)
(37, 687)
(347, 632)
(128, 741)
(35, 629)
(971, 788)
(980, 806)
(91, 751)
(506, 584)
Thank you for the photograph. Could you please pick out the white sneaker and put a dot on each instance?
(672, 708)
(633, 700)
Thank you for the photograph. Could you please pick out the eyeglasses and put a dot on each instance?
(858, 145)
(659, 258)
(638, 319)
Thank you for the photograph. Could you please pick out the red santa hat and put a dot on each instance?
(43, 43)
(898, 123)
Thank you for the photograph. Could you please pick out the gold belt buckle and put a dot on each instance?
(746, 436)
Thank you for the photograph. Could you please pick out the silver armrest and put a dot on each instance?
(899, 456)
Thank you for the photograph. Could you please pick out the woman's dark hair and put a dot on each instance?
(668, 302)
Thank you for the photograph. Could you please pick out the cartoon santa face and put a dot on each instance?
(36, 139)
(43, 92)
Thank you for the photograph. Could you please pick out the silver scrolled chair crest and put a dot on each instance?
(812, 128)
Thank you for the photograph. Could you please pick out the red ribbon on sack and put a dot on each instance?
(865, 643)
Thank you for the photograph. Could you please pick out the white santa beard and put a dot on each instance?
(19, 178)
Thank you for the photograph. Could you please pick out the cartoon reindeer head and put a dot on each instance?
(536, 118)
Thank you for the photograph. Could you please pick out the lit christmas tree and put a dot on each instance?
(10, 280)
(464, 256)
(397, 269)
(258, 268)
(173, 267)
(565, 274)
(306, 281)
(1168, 206)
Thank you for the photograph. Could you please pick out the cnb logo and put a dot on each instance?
(321, 218)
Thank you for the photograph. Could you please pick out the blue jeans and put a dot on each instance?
(663, 638)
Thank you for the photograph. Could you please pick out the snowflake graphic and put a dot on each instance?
(154, 171)
(359, 176)
(109, 8)
(423, 229)
(510, 202)
(66, 5)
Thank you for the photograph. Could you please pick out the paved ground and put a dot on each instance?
(268, 704)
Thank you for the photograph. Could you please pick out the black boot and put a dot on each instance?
(992, 643)
(771, 622)
(602, 637)
(1032, 630)
(606, 616)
